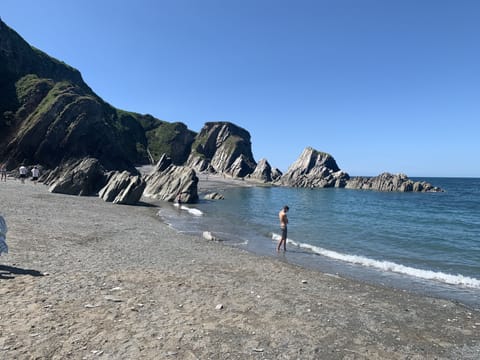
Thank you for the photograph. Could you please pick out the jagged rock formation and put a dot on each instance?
(264, 172)
(224, 147)
(123, 188)
(314, 169)
(167, 181)
(390, 182)
(77, 177)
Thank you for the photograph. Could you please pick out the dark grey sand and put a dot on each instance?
(86, 279)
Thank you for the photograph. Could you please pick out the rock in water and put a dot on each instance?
(390, 182)
(314, 169)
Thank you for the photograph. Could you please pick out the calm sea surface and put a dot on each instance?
(423, 242)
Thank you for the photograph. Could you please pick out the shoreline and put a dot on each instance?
(88, 279)
(301, 256)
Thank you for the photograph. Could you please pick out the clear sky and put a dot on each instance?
(382, 85)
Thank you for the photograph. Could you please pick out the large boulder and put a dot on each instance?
(77, 177)
(390, 182)
(166, 183)
(222, 147)
(123, 188)
(314, 169)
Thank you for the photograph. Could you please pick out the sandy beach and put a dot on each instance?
(86, 279)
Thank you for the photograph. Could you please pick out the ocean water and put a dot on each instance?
(422, 242)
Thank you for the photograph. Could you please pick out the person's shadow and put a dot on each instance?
(9, 272)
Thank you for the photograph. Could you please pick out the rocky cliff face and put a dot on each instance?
(56, 122)
(314, 169)
(48, 116)
(223, 147)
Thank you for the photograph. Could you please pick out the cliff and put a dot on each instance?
(48, 116)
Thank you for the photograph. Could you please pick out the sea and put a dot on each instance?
(426, 243)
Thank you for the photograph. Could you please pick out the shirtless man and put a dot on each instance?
(282, 215)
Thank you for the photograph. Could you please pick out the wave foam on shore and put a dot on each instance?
(450, 279)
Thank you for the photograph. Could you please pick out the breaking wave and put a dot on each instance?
(451, 279)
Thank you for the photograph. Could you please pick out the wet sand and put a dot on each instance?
(86, 279)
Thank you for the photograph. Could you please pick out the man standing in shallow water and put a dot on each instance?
(282, 215)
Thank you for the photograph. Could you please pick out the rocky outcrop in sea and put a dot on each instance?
(314, 169)
(390, 182)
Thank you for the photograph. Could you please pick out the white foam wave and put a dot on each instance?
(192, 211)
(462, 280)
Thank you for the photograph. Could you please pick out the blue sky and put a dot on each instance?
(381, 85)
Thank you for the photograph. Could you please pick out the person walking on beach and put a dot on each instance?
(282, 215)
(23, 173)
(35, 174)
(3, 172)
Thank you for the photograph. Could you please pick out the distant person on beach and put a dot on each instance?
(178, 199)
(3, 172)
(23, 173)
(282, 215)
(35, 174)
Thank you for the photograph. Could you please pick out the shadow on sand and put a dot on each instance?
(9, 272)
